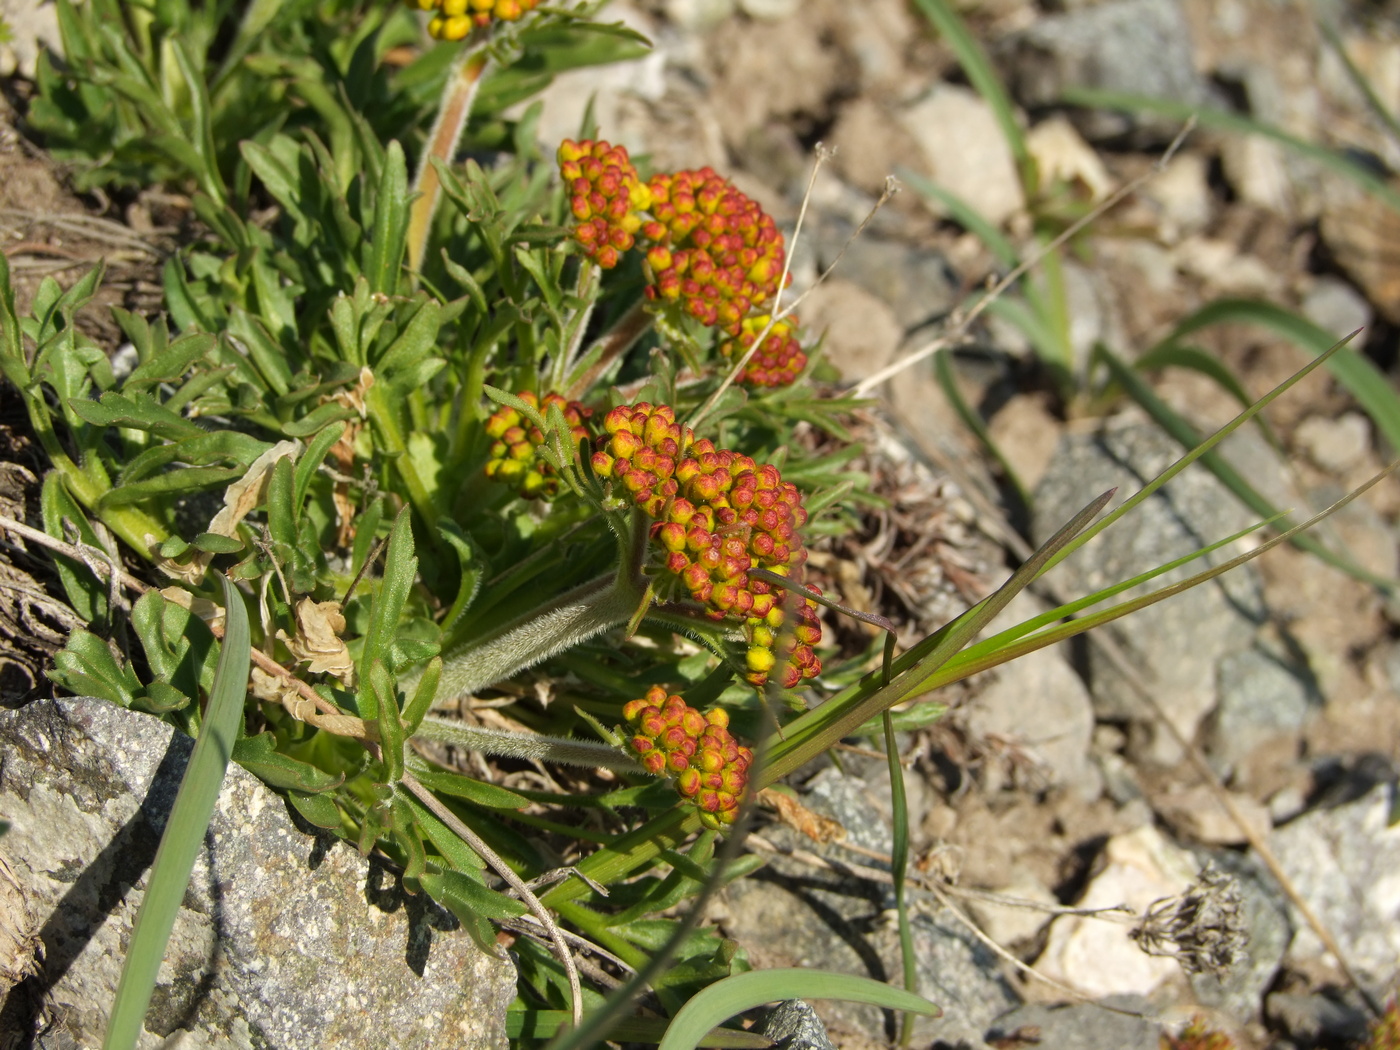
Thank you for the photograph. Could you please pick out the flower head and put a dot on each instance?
(718, 515)
(778, 361)
(455, 19)
(696, 751)
(605, 195)
(715, 253)
(515, 449)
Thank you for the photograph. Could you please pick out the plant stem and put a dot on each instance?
(618, 340)
(506, 744)
(453, 110)
(553, 627)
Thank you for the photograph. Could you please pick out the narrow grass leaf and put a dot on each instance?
(899, 865)
(986, 80)
(184, 831)
(542, 1024)
(943, 372)
(1363, 380)
(1208, 117)
(1167, 418)
(733, 995)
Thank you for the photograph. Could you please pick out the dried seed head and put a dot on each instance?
(1203, 928)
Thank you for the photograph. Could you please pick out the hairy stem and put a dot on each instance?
(506, 744)
(453, 110)
(580, 614)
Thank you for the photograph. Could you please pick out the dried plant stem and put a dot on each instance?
(610, 346)
(454, 108)
(960, 323)
(516, 883)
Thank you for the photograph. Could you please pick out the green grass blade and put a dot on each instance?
(1166, 418)
(818, 729)
(541, 1024)
(733, 995)
(970, 662)
(987, 82)
(1363, 380)
(1359, 81)
(899, 866)
(966, 216)
(943, 372)
(1222, 120)
(184, 831)
(1196, 453)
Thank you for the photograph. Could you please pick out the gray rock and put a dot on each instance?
(1038, 705)
(1174, 644)
(1260, 698)
(284, 940)
(1142, 47)
(1344, 862)
(794, 1025)
(1084, 1026)
(1313, 1019)
(791, 915)
(918, 284)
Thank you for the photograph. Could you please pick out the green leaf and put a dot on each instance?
(463, 895)
(387, 718)
(138, 412)
(489, 795)
(86, 592)
(390, 234)
(311, 460)
(281, 514)
(317, 419)
(86, 667)
(172, 483)
(317, 810)
(183, 838)
(733, 995)
(172, 363)
(400, 568)
(423, 695)
(259, 756)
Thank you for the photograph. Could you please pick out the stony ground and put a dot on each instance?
(1057, 780)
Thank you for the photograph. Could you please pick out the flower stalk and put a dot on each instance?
(457, 97)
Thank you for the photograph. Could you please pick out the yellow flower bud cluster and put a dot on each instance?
(455, 19)
(696, 751)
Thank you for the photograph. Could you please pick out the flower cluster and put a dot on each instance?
(455, 19)
(778, 361)
(711, 252)
(715, 251)
(673, 739)
(515, 457)
(605, 195)
(718, 515)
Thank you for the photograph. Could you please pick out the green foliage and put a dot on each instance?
(310, 419)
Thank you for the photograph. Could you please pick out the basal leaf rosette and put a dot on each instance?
(455, 19)
(515, 457)
(717, 516)
(696, 751)
(606, 196)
